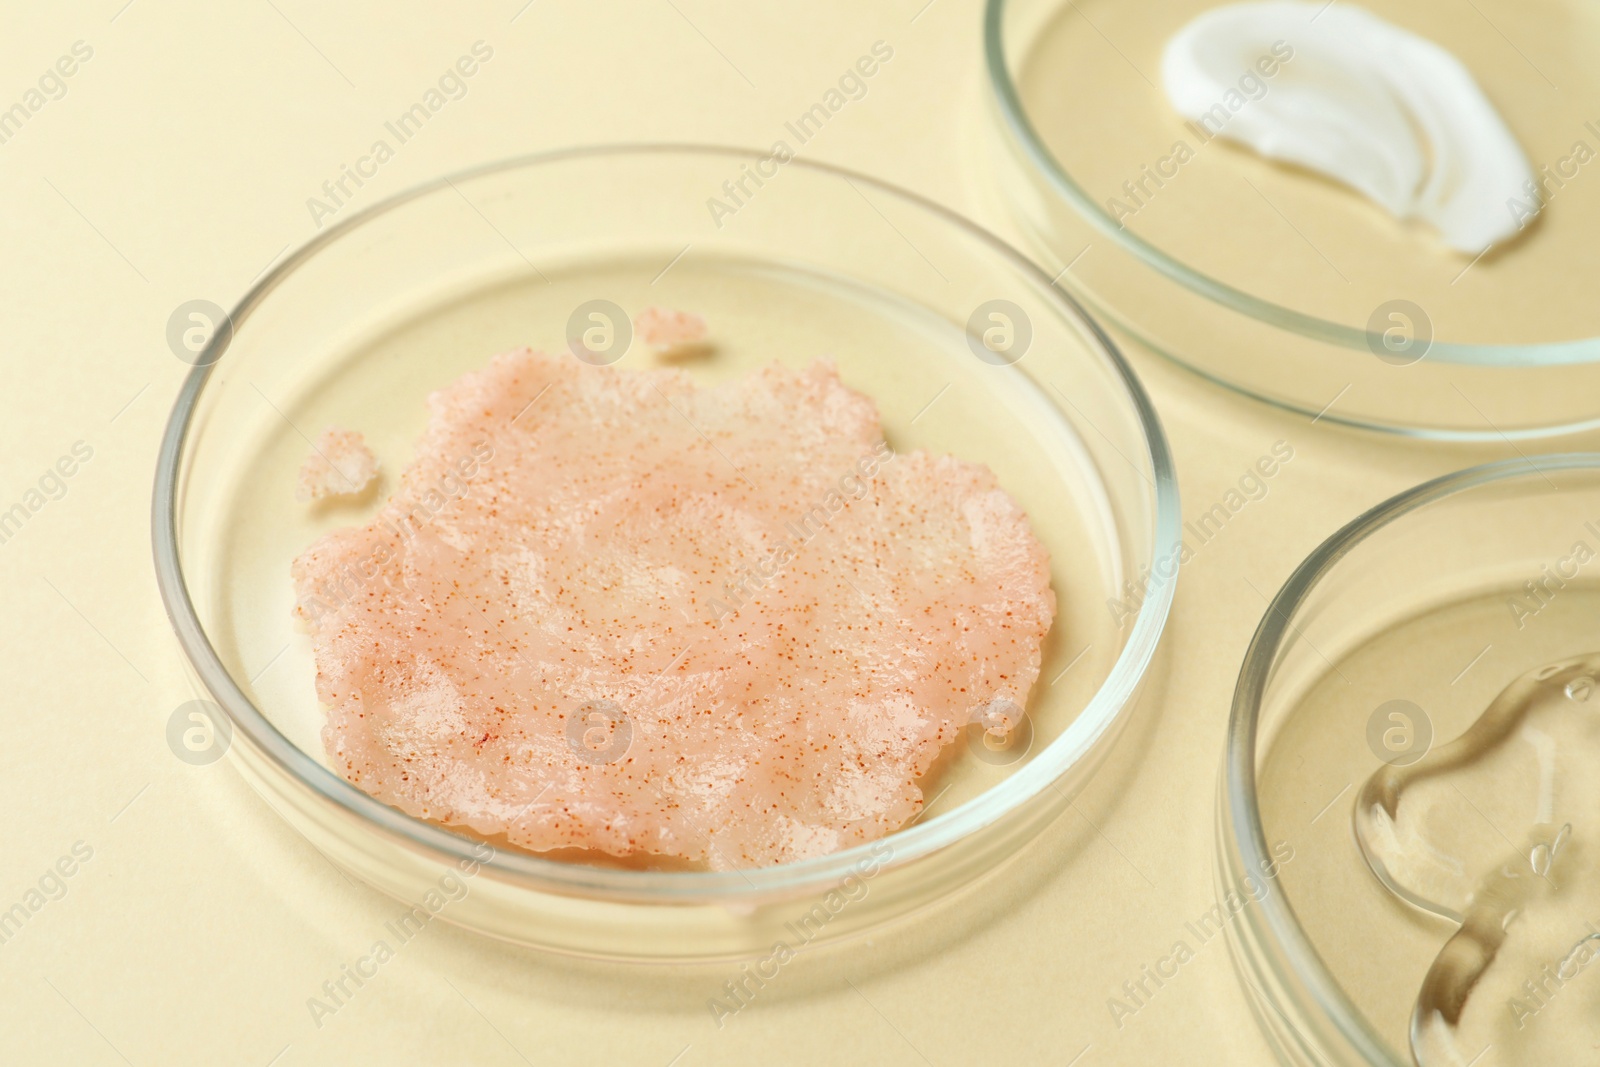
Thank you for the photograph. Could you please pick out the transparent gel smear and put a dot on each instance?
(1500, 831)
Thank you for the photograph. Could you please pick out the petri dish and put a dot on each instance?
(1283, 285)
(357, 327)
(1421, 604)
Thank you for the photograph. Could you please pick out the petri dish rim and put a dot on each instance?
(1289, 946)
(676, 887)
(1015, 120)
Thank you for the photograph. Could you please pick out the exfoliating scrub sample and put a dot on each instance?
(1498, 831)
(610, 611)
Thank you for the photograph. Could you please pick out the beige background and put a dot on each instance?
(177, 166)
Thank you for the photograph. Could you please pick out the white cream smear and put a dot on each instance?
(1362, 101)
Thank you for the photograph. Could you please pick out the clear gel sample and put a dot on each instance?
(1498, 830)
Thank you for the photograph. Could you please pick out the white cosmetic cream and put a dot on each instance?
(1388, 113)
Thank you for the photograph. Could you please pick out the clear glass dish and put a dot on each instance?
(1409, 602)
(1283, 285)
(355, 328)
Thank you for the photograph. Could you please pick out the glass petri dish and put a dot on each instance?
(1286, 286)
(787, 261)
(1410, 602)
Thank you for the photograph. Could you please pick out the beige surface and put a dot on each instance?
(177, 166)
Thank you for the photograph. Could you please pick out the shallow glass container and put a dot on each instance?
(1284, 285)
(1423, 600)
(963, 344)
